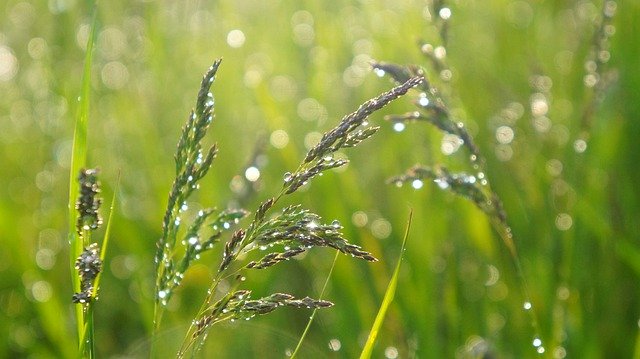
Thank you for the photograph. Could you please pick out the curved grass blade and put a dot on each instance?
(313, 315)
(388, 298)
(107, 235)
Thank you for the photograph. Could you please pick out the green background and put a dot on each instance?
(148, 62)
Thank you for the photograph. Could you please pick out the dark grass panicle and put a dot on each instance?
(239, 305)
(88, 219)
(432, 108)
(294, 229)
(88, 265)
(88, 202)
(192, 164)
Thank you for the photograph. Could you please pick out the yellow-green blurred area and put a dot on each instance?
(566, 168)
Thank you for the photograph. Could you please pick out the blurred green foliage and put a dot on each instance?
(291, 69)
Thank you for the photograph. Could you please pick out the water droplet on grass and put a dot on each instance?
(399, 126)
(209, 101)
(442, 183)
(379, 72)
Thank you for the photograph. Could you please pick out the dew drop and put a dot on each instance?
(365, 123)
(209, 100)
(379, 72)
(399, 126)
(423, 101)
(162, 294)
(226, 225)
(580, 146)
(526, 305)
(442, 183)
(537, 342)
(444, 13)
(417, 184)
(184, 206)
(288, 177)
(335, 344)
(252, 174)
(391, 352)
(336, 224)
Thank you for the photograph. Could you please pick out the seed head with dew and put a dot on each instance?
(294, 229)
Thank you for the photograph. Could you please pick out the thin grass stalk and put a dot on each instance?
(388, 297)
(313, 314)
(78, 161)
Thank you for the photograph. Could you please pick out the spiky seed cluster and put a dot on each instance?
(343, 133)
(463, 184)
(298, 179)
(88, 203)
(192, 164)
(231, 249)
(238, 305)
(302, 229)
(275, 258)
(432, 109)
(296, 229)
(88, 265)
(346, 134)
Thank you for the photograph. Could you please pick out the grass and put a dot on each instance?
(572, 214)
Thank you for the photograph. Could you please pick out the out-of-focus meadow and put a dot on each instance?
(566, 170)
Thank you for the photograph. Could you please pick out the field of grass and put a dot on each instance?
(560, 138)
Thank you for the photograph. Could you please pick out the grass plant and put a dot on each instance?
(547, 95)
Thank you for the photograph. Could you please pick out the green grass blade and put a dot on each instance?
(78, 160)
(388, 298)
(313, 315)
(105, 240)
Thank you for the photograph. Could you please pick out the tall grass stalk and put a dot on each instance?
(433, 109)
(388, 297)
(84, 321)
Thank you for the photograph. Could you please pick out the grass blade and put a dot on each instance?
(78, 160)
(105, 240)
(388, 298)
(313, 315)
